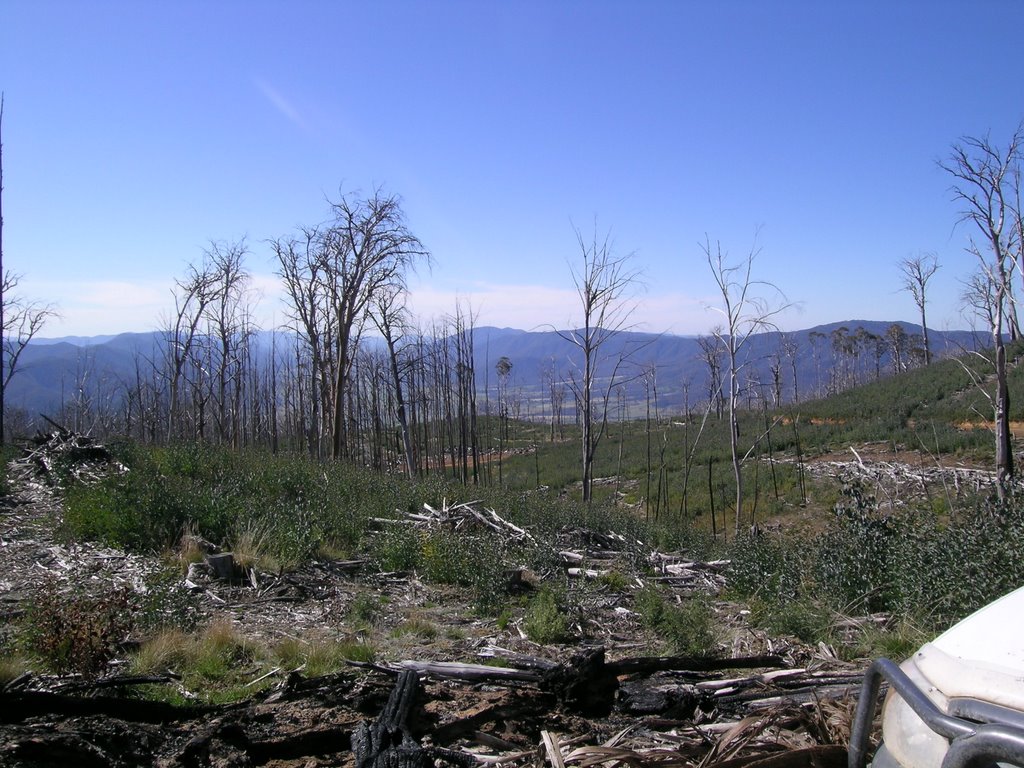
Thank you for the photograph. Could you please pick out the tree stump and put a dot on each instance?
(584, 684)
(389, 743)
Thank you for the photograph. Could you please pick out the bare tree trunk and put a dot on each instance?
(3, 295)
(917, 271)
(602, 285)
(744, 315)
(1004, 453)
(987, 182)
(386, 314)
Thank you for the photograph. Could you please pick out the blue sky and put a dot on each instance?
(136, 132)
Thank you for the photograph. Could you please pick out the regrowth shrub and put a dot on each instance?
(544, 621)
(932, 570)
(686, 627)
(77, 632)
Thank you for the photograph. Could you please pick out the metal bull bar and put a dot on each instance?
(979, 733)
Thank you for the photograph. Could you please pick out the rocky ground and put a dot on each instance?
(604, 699)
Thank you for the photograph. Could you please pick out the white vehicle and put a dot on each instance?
(957, 702)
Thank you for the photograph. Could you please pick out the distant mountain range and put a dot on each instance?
(53, 371)
(679, 365)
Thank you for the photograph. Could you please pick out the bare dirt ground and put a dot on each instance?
(604, 698)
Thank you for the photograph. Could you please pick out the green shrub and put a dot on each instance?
(220, 494)
(802, 618)
(853, 557)
(452, 558)
(165, 603)
(932, 570)
(397, 548)
(490, 588)
(366, 610)
(504, 618)
(544, 621)
(615, 580)
(687, 627)
(898, 642)
(765, 564)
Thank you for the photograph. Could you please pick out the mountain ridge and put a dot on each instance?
(103, 367)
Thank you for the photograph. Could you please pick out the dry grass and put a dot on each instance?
(319, 655)
(191, 548)
(165, 651)
(12, 667)
(252, 549)
(215, 656)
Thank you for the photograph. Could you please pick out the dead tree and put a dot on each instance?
(192, 294)
(916, 271)
(711, 351)
(302, 270)
(390, 317)
(744, 313)
(368, 249)
(23, 319)
(332, 275)
(790, 348)
(229, 329)
(986, 182)
(465, 443)
(603, 284)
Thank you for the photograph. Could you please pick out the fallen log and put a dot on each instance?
(646, 665)
(16, 706)
(585, 684)
(470, 672)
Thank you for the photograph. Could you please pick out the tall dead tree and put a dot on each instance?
(368, 249)
(391, 318)
(976, 299)
(790, 348)
(332, 274)
(463, 323)
(192, 294)
(711, 353)
(23, 318)
(306, 283)
(3, 294)
(986, 183)
(229, 329)
(744, 312)
(915, 272)
(604, 283)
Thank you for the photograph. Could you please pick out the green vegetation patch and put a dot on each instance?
(687, 627)
(931, 570)
(544, 620)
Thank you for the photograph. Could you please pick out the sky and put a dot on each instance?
(136, 133)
